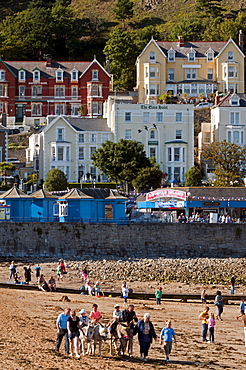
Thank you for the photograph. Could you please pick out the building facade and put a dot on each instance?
(29, 91)
(165, 130)
(189, 69)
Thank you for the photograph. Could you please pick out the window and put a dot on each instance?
(74, 75)
(234, 118)
(152, 152)
(146, 72)
(159, 117)
(236, 137)
(183, 154)
(81, 138)
(93, 172)
(59, 91)
(235, 100)
(177, 173)
(60, 151)
(230, 71)
(169, 154)
(152, 72)
(67, 153)
(81, 153)
(36, 90)
(128, 116)
(194, 89)
(152, 89)
(210, 56)
(230, 56)
(74, 91)
(104, 138)
(95, 74)
(176, 154)
(60, 134)
(146, 117)
(95, 107)
(59, 75)
(152, 55)
(191, 56)
(2, 75)
(36, 109)
(178, 117)
(94, 90)
(178, 134)
(22, 90)
(53, 153)
(207, 137)
(210, 73)
(22, 75)
(59, 109)
(169, 172)
(152, 134)
(128, 134)
(92, 150)
(146, 89)
(93, 138)
(191, 73)
(171, 74)
(171, 56)
(36, 75)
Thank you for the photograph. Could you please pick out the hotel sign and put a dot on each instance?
(166, 193)
(156, 106)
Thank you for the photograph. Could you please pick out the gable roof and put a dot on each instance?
(81, 123)
(225, 101)
(14, 192)
(42, 194)
(200, 47)
(156, 44)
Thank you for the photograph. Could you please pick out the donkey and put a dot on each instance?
(95, 335)
(123, 332)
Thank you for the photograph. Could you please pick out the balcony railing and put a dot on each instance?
(48, 98)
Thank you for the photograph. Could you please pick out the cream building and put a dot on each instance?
(166, 130)
(67, 143)
(189, 69)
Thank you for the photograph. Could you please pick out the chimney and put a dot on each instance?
(181, 41)
(241, 43)
(48, 62)
(217, 98)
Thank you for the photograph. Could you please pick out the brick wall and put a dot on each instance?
(95, 241)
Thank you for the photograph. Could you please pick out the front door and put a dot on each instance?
(19, 112)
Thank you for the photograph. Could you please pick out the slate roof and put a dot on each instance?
(225, 102)
(88, 124)
(93, 194)
(14, 192)
(41, 194)
(46, 72)
(75, 194)
(200, 47)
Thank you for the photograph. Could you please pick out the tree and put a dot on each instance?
(147, 178)
(211, 8)
(6, 169)
(121, 161)
(55, 180)
(122, 52)
(229, 161)
(123, 10)
(193, 176)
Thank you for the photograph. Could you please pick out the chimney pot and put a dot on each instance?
(181, 41)
(240, 41)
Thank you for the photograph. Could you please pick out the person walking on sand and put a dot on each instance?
(168, 335)
(233, 279)
(61, 325)
(204, 316)
(211, 325)
(204, 297)
(27, 275)
(146, 333)
(125, 292)
(242, 308)
(95, 315)
(158, 295)
(37, 271)
(12, 270)
(73, 333)
(219, 303)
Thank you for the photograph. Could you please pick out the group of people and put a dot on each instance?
(69, 325)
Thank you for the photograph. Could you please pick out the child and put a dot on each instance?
(242, 309)
(97, 289)
(211, 324)
(125, 292)
(203, 297)
(158, 295)
(167, 334)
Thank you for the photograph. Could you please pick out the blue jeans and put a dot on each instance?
(204, 332)
(232, 289)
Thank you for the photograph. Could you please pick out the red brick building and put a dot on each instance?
(29, 91)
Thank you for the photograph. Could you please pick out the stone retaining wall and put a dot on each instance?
(105, 241)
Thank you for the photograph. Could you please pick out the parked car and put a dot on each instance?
(13, 160)
(203, 104)
(13, 131)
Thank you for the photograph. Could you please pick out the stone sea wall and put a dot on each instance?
(109, 241)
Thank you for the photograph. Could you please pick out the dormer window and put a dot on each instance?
(22, 75)
(74, 75)
(152, 55)
(36, 75)
(59, 75)
(171, 55)
(210, 55)
(230, 56)
(191, 56)
(95, 74)
(234, 100)
(2, 75)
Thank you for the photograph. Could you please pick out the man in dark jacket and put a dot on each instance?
(146, 333)
(129, 315)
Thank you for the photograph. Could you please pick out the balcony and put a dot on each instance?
(50, 99)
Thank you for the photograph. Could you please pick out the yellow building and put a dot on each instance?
(189, 69)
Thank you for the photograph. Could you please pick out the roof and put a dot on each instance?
(225, 101)
(92, 193)
(14, 192)
(75, 194)
(200, 47)
(88, 124)
(41, 194)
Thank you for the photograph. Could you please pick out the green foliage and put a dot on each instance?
(56, 180)
(229, 161)
(121, 161)
(147, 178)
(123, 10)
(193, 176)
(6, 169)
(211, 8)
